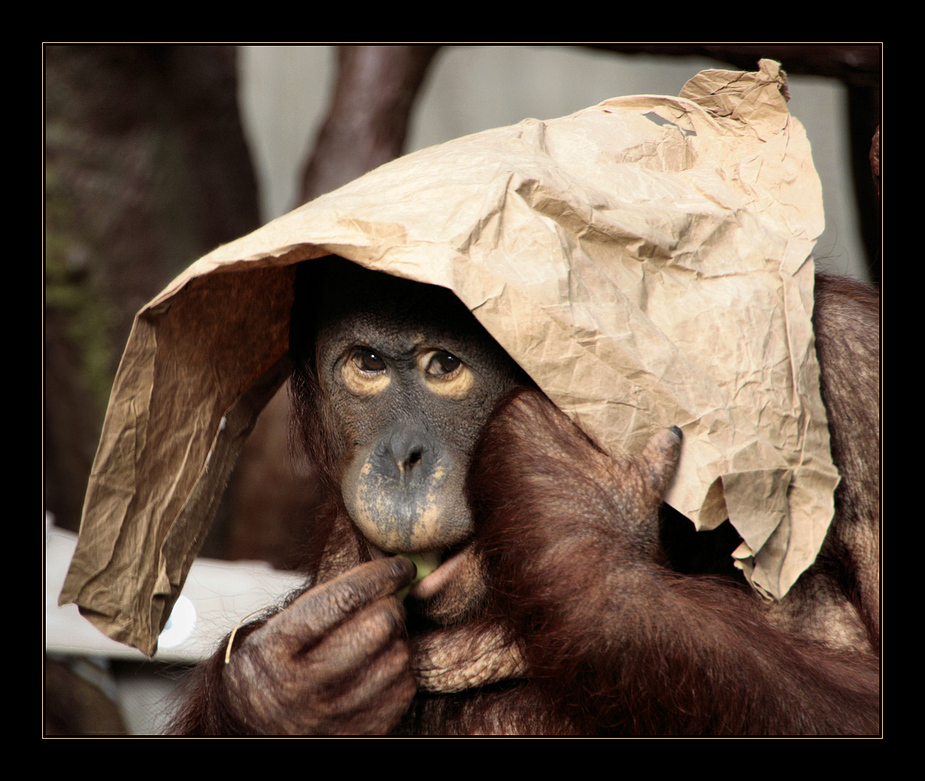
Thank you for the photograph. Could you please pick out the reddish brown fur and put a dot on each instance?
(615, 643)
(568, 570)
(837, 600)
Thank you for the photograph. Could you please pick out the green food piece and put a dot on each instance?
(425, 563)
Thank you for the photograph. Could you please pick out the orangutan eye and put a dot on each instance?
(442, 364)
(367, 361)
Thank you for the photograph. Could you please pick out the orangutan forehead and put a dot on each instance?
(379, 301)
(404, 331)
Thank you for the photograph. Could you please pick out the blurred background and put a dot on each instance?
(155, 154)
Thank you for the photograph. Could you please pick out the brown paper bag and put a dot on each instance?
(647, 261)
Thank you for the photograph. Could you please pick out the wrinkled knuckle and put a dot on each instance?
(387, 620)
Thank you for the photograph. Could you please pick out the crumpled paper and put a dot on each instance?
(647, 261)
